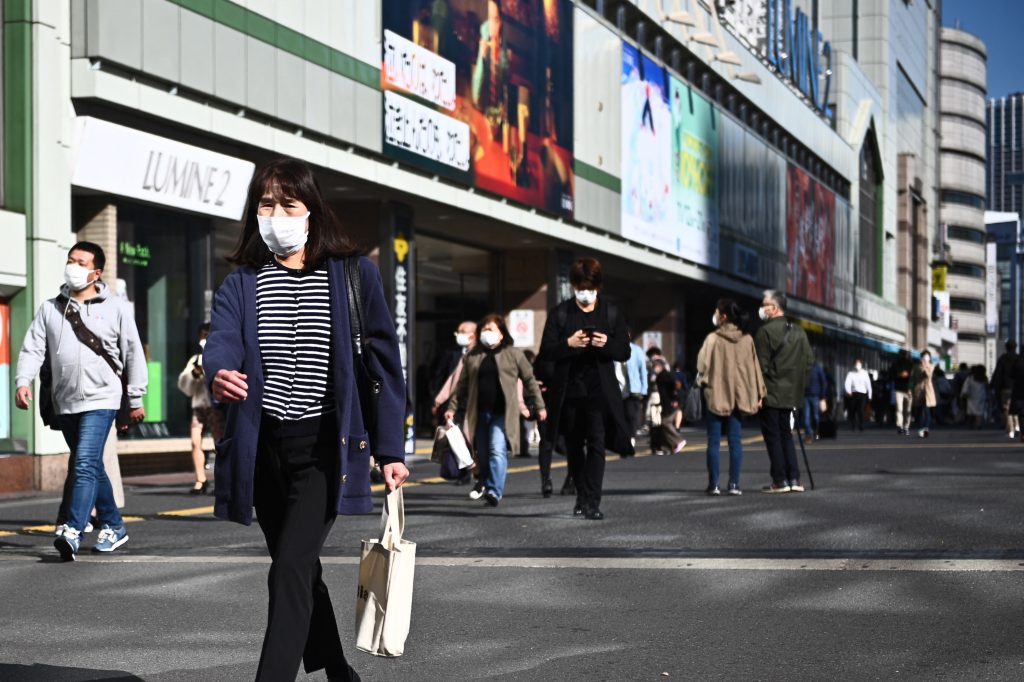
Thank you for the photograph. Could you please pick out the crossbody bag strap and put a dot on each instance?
(356, 314)
(84, 334)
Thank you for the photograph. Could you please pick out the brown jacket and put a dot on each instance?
(512, 367)
(924, 389)
(729, 371)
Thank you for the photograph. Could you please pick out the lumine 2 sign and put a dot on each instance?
(789, 42)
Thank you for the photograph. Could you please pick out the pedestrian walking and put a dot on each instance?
(1017, 394)
(814, 395)
(488, 387)
(975, 393)
(465, 340)
(904, 400)
(281, 355)
(670, 440)
(786, 358)
(1003, 383)
(858, 391)
(205, 417)
(924, 394)
(636, 389)
(528, 429)
(94, 382)
(583, 337)
(730, 375)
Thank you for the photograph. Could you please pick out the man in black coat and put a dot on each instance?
(583, 338)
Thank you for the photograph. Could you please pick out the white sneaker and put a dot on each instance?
(476, 494)
(1012, 435)
(59, 530)
(679, 448)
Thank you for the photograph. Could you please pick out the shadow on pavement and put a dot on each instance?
(37, 672)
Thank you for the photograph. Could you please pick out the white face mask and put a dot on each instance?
(283, 235)
(463, 339)
(77, 277)
(715, 320)
(202, 343)
(763, 314)
(490, 338)
(586, 296)
(857, 366)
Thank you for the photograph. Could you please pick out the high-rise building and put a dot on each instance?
(962, 183)
(1004, 146)
(1006, 235)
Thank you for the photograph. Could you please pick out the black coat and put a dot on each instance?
(556, 357)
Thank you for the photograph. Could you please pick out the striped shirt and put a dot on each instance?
(294, 324)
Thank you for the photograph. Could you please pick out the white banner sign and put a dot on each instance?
(421, 130)
(652, 340)
(124, 161)
(991, 289)
(522, 327)
(416, 69)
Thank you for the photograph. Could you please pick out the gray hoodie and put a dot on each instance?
(82, 380)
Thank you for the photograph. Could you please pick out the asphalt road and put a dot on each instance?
(906, 562)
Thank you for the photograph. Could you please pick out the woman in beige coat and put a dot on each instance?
(488, 388)
(924, 393)
(733, 388)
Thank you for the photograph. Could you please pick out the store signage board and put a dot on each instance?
(522, 327)
(788, 41)
(130, 163)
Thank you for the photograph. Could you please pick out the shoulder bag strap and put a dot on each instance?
(357, 316)
(84, 334)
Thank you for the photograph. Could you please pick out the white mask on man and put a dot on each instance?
(283, 235)
(586, 296)
(463, 339)
(763, 314)
(76, 276)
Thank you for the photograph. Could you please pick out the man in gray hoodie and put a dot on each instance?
(87, 391)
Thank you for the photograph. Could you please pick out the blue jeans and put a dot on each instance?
(812, 408)
(491, 442)
(733, 425)
(924, 417)
(86, 434)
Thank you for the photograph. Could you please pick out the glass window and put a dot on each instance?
(965, 234)
(967, 270)
(950, 196)
(867, 252)
(967, 305)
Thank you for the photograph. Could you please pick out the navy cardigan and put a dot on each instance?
(233, 344)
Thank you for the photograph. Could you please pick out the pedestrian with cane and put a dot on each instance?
(786, 360)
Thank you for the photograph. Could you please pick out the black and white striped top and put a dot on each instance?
(294, 327)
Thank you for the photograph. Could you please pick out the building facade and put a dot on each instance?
(962, 176)
(475, 149)
(1006, 237)
(1004, 182)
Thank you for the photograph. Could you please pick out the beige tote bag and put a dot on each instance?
(384, 599)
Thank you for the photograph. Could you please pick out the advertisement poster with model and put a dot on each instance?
(810, 238)
(480, 91)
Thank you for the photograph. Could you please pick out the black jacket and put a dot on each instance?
(556, 357)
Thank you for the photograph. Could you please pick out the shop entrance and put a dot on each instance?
(453, 283)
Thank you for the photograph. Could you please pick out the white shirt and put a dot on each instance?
(858, 381)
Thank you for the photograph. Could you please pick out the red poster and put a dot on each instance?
(810, 238)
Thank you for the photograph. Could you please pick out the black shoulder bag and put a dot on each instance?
(368, 381)
(93, 343)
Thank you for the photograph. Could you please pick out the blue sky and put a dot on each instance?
(1000, 23)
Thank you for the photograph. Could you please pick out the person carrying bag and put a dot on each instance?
(384, 599)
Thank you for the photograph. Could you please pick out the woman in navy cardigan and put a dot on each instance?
(296, 447)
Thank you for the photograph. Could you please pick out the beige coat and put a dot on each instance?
(924, 389)
(513, 367)
(729, 371)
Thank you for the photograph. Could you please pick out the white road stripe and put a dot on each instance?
(620, 564)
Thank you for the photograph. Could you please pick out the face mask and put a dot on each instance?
(76, 277)
(763, 314)
(283, 235)
(715, 319)
(463, 339)
(926, 359)
(586, 296)
(857, 366)
(202, 343)
(490, 338)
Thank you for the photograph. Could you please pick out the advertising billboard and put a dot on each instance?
(480, 91)
(810, 238)
(669, 162)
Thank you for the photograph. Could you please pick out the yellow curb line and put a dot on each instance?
(194, 511)
(4, 533)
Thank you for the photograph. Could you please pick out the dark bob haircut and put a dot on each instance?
(585, 274)
(291, 179)
(506, 338)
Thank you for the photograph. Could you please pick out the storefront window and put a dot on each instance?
(870, 182)
(164, 260)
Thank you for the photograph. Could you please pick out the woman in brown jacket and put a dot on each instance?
(489, 389)
(924, 393)
(733, 387)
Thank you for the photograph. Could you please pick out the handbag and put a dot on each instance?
(693, 406)
(368, 381)
(93, 343)
(459, 445)
(384, 598)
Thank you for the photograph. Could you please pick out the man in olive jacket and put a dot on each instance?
(786, 360)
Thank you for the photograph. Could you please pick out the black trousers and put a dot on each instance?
(585, 441)
(855, 407)
(778, 438)
(634, 408)
(295, 505)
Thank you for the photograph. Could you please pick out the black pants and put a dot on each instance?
(778, 438)
(294, 499)
(634, 408)
(584, 441)
(545, 451)
(855, 403)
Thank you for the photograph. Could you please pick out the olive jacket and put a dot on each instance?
(786, 360)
